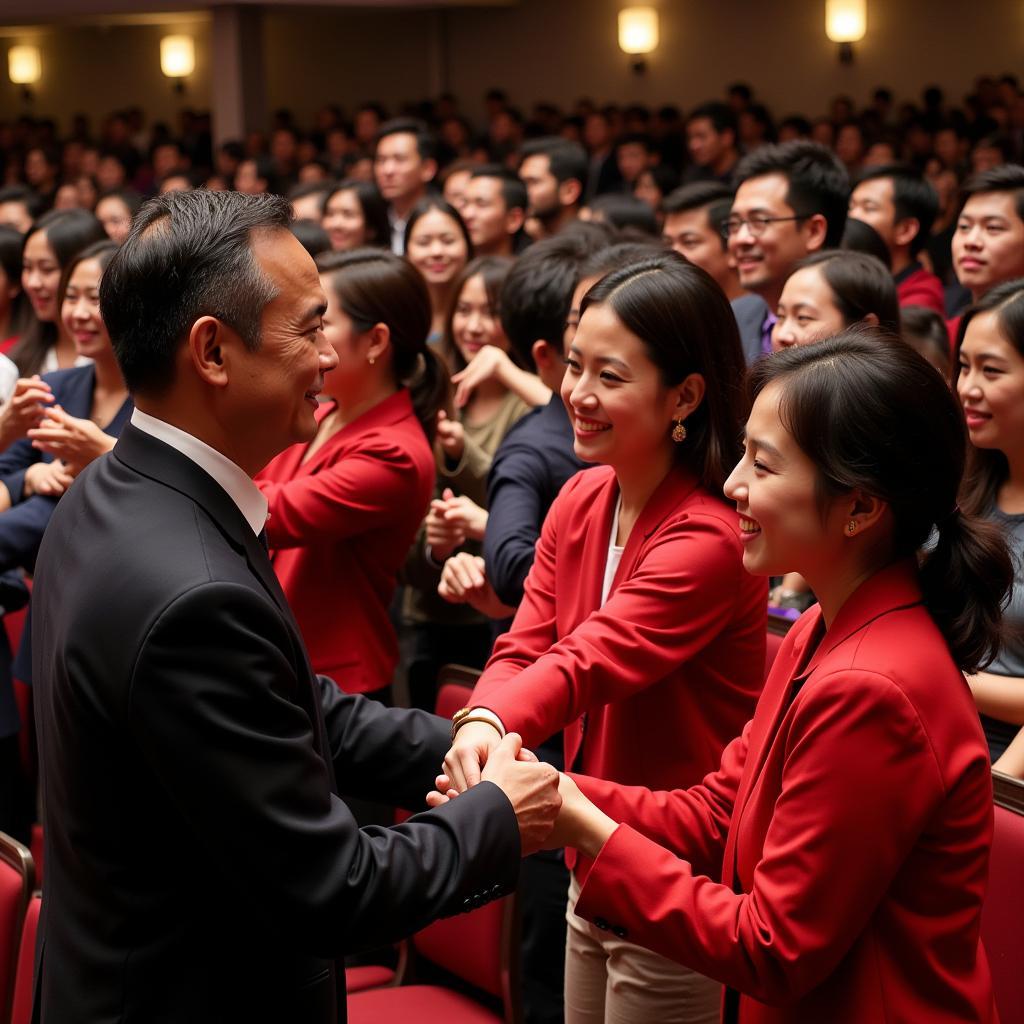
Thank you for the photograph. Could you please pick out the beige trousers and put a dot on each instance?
(611, 981)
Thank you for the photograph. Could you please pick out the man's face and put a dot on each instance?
(705, 144)
(541, 186)
(273, 390)
(872, 202)
(692, 235)
(765, 260)
(485, 213)
(988, 244)
(632, 158)
(398, 167)
(16, 215)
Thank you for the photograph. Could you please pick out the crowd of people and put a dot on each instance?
(591, 392)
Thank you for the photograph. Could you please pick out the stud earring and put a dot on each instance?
(851, 527)
(679, 432)
(372, 360)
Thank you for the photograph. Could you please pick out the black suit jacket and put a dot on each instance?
(199, 865)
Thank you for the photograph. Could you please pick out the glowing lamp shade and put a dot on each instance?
(638, 29)
(845, 20)
(177, 56)
(24, 65)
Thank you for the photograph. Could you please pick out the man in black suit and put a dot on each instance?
(200, 865)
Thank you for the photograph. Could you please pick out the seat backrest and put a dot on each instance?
(1004, 905)
(24, 983)
(17, 880)
(452, 697)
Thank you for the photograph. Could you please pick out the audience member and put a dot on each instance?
(51, 243)
(554, 172)
(438, 245)
(19, 207)
(639, 554)
(990, 385)
(404, 164)
(355, 215)
(831, 290)
(759, 876)
(859, 236)
(312, 236)
(454, 180)
(345, 508)
(654, 184)
(115, 210)
(695, 217)
(925, 332)
(712, 138)
(624, 212)
(308, 198)
(901, 206)
(495, 211)
(14, 311)
(634, 153)
(790, 201)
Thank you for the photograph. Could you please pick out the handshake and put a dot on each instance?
(547, 804)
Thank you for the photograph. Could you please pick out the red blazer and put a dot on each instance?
(340, 527)
(668, 670)
(835, 865)
(922, 288)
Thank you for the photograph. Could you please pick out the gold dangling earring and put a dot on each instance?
(851, 527)
(679, 432)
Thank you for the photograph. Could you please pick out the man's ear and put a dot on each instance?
(815, 230)
(205, 348)
(514, 219)
(545, 355)
(428, 170)
(905, 231)
(570, 191)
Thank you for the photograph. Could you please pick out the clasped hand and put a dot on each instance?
(452, 520)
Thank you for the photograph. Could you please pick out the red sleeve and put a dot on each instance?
(679, 597)
(858, 764)
(692, 823)
(360, 492)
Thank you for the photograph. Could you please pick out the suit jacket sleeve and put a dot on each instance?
(212, 672)
(21, 531)
(514, 520)
(859, 765)
(364, 736)
(679, 596)
(693, 823)
(357, 493)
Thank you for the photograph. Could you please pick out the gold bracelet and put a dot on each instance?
(466, 715)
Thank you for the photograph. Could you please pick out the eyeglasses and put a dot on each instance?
(757, 223)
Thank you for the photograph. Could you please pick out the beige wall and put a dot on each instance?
(544, 49)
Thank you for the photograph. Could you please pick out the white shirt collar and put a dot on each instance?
(235, 481)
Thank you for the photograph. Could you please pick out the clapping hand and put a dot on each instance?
(24, 409)
(464, 581)
(451, 436)
(50, 479)
(489, 363)
(76, 441)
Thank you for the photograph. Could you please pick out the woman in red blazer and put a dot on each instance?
(833, 868)
(639, 633)
(345, 508)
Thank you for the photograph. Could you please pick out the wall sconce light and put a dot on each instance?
(638, 34)
(177, 59)
(845, 23)
(24, 67)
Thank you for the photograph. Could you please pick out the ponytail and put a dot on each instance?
(429, 389)
(966, 579)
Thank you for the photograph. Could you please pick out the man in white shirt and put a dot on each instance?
(404, 164)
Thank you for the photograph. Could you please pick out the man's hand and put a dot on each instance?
(51, 479)
(469, 752)
(76, 441)
(531, 787)
(451, 436)
(464, 581)
(24, 409)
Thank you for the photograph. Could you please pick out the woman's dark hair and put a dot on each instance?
(429, 203)
(67, 233)
(102, 252)
(375, 287)
(925, 332)
(987, 468)
(375, 209)
(10, 263)
(860, 285)
(687, 326)
(625, 211)
(493, 270)
(859, 236)
(131, 199)
(877, 418)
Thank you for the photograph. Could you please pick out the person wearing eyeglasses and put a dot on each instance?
(791, 201)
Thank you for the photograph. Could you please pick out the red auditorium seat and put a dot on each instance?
(17, 881)
(778, 627)
(23, 983)
(480, 948)
(1004, 905)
